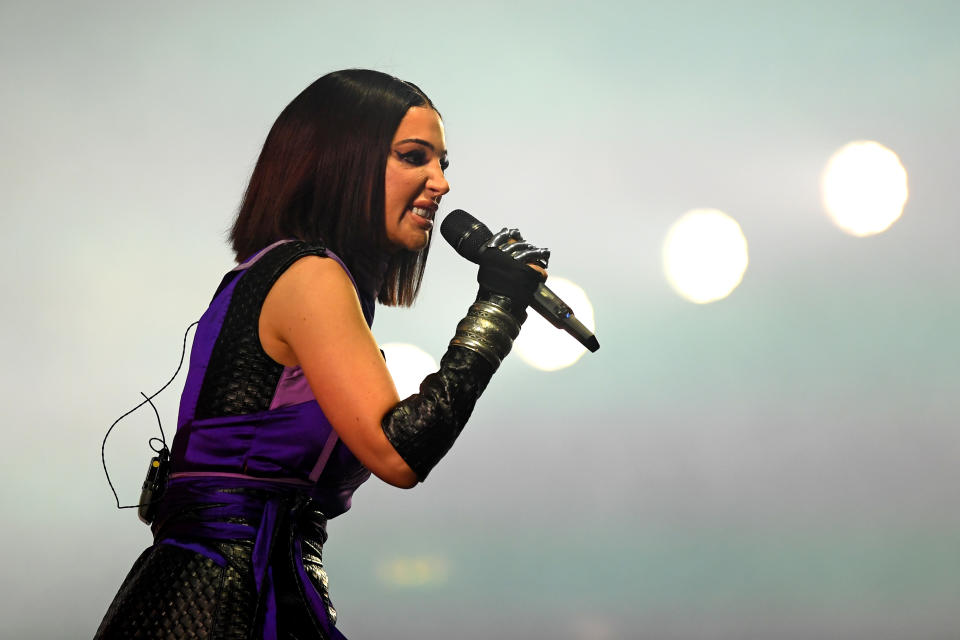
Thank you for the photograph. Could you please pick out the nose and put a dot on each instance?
(436, 181)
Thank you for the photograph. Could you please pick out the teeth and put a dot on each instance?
(423, 213)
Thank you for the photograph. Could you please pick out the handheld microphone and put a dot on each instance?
(468, 236)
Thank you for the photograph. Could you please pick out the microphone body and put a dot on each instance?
(468, 236)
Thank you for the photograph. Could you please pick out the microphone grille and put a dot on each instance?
(465, 234)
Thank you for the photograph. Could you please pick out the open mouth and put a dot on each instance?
(426, 214)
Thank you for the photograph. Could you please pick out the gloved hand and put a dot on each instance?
(505, 271)
(510, 241)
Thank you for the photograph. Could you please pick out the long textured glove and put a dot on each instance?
(423, 427)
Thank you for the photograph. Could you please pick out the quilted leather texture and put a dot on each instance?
(423, 427)
(174, 593)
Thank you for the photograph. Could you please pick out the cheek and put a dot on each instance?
(395, 189)
(390, 181)
(399, 192)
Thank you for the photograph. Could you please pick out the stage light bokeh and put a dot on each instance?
(543, 346)
(705, 255)
(864, 188)
(409, 365)
(414, 571)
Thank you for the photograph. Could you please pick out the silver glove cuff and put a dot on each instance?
(487, 329)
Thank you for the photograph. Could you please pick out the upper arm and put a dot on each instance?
(312, 318)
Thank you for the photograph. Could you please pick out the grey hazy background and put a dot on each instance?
(780, 464)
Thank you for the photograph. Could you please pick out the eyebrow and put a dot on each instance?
(423, 142)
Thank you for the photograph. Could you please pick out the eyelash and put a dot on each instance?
(418, 158)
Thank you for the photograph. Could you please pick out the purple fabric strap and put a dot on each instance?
(242, 476)
(263, 576)
(324, 456)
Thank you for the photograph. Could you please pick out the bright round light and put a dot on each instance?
(864, 188)
(705, 255)
(543, 346)
(409, 365)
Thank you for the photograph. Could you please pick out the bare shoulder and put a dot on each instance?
(310, 283)
(314, 296)
(312, 272)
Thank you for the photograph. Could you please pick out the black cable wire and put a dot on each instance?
(147, 400)
(163, 437)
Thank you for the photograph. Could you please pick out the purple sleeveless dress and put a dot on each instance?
(284, 436)
(256, 471)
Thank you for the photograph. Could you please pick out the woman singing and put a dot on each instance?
(288, 406)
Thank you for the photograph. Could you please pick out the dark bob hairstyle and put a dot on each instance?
(320, 177)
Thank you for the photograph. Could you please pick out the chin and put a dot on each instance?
(416, 244)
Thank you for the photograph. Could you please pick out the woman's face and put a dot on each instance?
(414, 178)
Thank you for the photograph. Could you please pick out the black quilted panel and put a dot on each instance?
(295, 617)
(237, 613)
(173, 593)
(241, 378)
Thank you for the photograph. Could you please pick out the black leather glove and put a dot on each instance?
(504, 276)
(512, 243)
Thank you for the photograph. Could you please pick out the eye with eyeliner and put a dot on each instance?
(418, 158)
